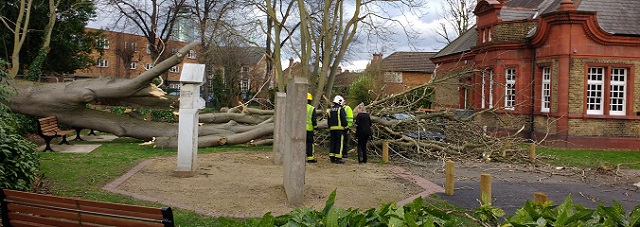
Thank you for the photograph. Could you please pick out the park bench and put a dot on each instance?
(30, 209)
(48, 129)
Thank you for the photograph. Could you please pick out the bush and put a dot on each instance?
(19, 164)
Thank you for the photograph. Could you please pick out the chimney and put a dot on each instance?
(339, 69)
(290, 62)
(376, 58)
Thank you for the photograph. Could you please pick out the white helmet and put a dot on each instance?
(338, 100)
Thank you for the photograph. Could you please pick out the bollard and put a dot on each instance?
(507, 146)
(485, 188)
(532, 152)
(539, 197)
(385, 152)
(448, 185)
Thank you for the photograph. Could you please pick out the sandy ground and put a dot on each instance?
(248, 183)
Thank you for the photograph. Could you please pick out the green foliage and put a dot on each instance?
(590, 158)
(361, 90)
(18, 158)
(487, 213)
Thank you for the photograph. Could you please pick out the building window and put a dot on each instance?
(617, 89)
(174, 50)
(491, 88)
(245, 69)
(510, 89)
(244, 85)
(192, 54)
(174, 69)
(102, 42)
(133, 65)
(103, 63)
(130, 45)
(148, 49)
(546, 90)
(482, 85)
(484, 35)
(489, 35)
(595, 90)
(148, 66)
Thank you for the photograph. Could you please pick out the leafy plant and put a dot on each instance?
(18, 158)
(488, 213)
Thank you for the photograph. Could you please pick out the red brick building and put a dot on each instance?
(563, 69)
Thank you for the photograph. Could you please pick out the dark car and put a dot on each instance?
(419, 133)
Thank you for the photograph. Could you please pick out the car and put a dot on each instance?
(419, 133)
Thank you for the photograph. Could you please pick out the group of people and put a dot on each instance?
(339, 121)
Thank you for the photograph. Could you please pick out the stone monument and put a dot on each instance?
(190, 103)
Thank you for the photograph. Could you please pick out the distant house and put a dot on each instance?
(564, 69)
(405, 70)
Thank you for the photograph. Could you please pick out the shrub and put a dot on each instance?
(19, 162)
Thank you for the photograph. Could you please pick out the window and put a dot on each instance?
(245, 69)
(489, 35)
(174, 69)
(510, 89)
(174, 50)
(130, 45)
(192, 54)
(102, 42)
(133, 65)
(595, 89)
(482, 84)
(546, 90)
(148, 66)
(244, 85)
(490, 88)
(103, 63)
(484, 35)
(617, 89)
(393, 77)
(148, 50)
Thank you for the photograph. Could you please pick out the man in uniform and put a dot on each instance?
(312, 124)
(337, 123)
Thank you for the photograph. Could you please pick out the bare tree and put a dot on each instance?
(125, 51)
(20, 28)
(456, 17)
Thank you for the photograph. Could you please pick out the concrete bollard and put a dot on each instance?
(449, 173)
(485, 188)
(539, 197)
(385, 152)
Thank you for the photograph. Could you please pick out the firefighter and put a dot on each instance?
(337, 124)
(312, 124)
(349, 112)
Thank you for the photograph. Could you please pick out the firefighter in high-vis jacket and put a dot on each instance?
(337, 125)
(312, 124)
(349, 113)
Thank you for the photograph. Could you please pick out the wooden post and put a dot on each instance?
(532, 152)
(507, 146)
(539, 197)
(448, 185)
(385, 152)
(485, 188)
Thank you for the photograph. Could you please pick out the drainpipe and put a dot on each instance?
(533, 89)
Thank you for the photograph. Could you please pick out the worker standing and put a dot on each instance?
(337, 123)
(312, 124)
(349, 112)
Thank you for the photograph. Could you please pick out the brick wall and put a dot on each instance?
(512, 31)
(409, 80)
(545, 124)
(604, 127)
(446, 92)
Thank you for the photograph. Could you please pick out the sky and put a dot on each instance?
(425, 40)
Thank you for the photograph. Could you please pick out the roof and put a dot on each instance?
(461, 44)
(409, 62)
(345, 79)
(614, 16)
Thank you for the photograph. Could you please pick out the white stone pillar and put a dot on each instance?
(295, 148)
(279, 128)
(190, 103)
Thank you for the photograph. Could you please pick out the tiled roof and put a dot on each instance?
(508, 14)
(615, 16)
(409, 62)
(461, 44)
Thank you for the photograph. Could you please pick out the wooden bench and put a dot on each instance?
(48, 129)
(29, 209)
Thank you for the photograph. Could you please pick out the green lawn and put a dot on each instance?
(590, 158)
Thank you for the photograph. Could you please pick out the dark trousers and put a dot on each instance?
(309, 145)
(336, 143)
(362, 148)
(345, 147)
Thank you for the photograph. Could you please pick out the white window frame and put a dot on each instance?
(244, 85)
(482, 85)
(174, 69)
(102, 63)
(148, 50)
(484, 35)
(132, 44)
(489, 35)
(104, 42)
(491, 88)
(244, 69)
(617, 91)
(192, 54)
(133, 65)
(545, 99)
(510, 88)
(595, 90)
(148, 66)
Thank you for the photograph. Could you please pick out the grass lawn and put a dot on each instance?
(590, 158)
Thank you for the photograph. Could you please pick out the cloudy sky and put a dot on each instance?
(424, 23)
